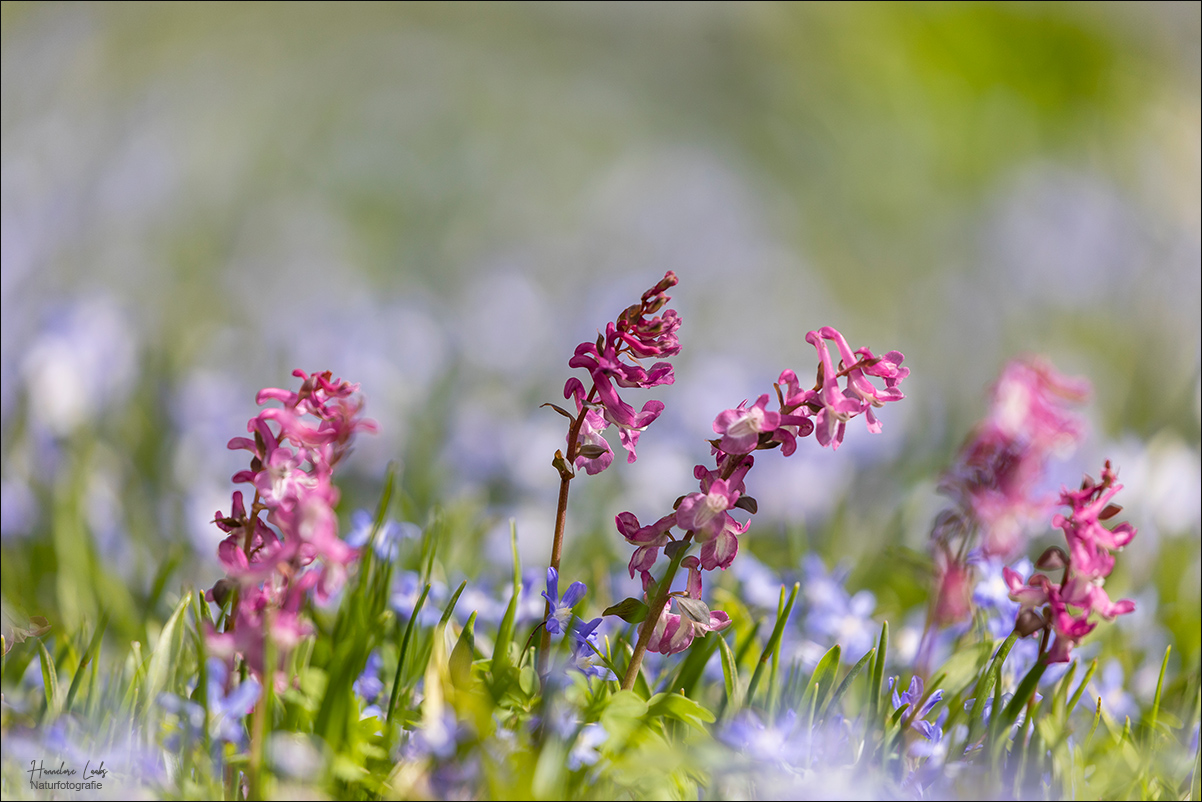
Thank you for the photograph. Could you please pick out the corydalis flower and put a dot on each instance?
(995, 478)
(274, 566)
(705, 515)
(837, 405)
(1045, 605)
(612, 362)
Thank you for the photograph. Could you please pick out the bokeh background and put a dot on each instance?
(439, 201)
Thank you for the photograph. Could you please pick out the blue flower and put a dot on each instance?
(585, 753)
(584, 653)
(913, 695)
(369, 685)
(226, 711)
(561, 609)
(387, 544)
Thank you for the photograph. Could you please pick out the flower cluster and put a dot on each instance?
(614, 360)
(705, 515)
(1065, 608)
(996, 476)
(994, 483)
(274, 565)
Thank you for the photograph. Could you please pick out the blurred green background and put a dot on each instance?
(440, 200)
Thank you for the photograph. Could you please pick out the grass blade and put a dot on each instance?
(847, 681)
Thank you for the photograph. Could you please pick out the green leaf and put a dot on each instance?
(847, 681)
(501, 664)
(1076, 697)
(88, 655)
(681, 708)
(463, 654)
(1159, 685)
(730, 674)
(1025, 692)
(166, 653)
(878, 675)
(450, 608)
(824, 676)
(404, 651)
(630, 610)
(782, 615)
(986, 684)
(49, 681)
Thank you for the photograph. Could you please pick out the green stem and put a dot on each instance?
(662, 594)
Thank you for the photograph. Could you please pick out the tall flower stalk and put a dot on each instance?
(613, 359)
(275, 564)
(1064, 608)
(995, 482)
(704, 516)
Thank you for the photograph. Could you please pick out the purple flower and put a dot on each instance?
(913, 695)
(561, 609)
(584, 752)
(584, 651)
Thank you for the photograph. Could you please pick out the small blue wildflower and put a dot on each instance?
(833, 614)
(913, 695)
(407, 588)
(561, 609)
(387, 545)
(584, 653)
(225, 710)
(585, 753)
(783, 744)
(369, 686)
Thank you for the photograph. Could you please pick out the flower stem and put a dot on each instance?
(663, 593)
(561, 517)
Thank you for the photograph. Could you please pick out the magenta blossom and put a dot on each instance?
(741, 427)
(1065, 608)
(612, 362)
(705, 513)
(996, 477)
(836, 404)
(275, 565)
(674, 632)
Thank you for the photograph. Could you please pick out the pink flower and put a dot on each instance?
(720, 551)
(996, 475)
(649, 539)
(705, 513)
(278, 564)
(837, 405)
(741, 427)
(612, 363)
(1088, 564)
(674, 632)
(595, 455)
